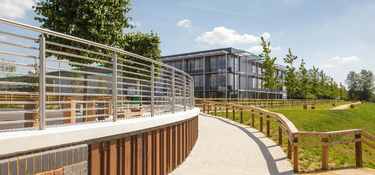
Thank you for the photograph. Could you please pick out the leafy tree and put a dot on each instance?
(291, 79)
(334, 90)
(343, 92)
(352, 83)
(367, 84)
(323, 84)
(304, 80)
(315, 87)
(269, 73)
(7, 68)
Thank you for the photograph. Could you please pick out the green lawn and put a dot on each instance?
(321, 120)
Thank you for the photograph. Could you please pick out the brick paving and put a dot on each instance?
(226, 147)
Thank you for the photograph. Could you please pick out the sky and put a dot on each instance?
(336, 36)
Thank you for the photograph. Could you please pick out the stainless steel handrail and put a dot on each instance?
(120, 84)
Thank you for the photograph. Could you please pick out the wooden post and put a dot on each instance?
(234, 114)
(204, 107)
(268, 126)
(92, 112)
(31, 116)
(226, 111)
(215, 110)
(104, 111)
(295, 155)
(325, 155)
(280, 136)
(261, 122)
(69, 113)
(241, 115)
(358, 151)
(252, 118)
(289, 150)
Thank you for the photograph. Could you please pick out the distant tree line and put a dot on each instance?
(361, 85)
(300, 83)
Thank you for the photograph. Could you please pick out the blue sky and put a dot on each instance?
(336, 36)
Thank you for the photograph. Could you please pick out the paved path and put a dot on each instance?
(344, 106)
(226, 147)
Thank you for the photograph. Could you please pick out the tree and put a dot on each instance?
(291, 79)
(323, 84)
(352, 83)
(7, 68)
(269, 73)
(314, 74)
(304, 80)
(76, 83)
(367, 84)
(343, 92)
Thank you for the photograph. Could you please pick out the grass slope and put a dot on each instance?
(321, 120)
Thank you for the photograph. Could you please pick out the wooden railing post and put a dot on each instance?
(241, 115)
(280, 136)
(252, 118)
(226, 111)
(295, 155)
(358, 151)
(234, 114)
(261, 122)
(325, 155)
(215, 109)
(204, 107)
(268, 126)
(289, 149)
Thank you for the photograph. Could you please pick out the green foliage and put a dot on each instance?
(361, 86)
(101, 84)
(314, 75)
(99, 21)
(343, 92)
(33, 79)
(290, 78)
(269, 73)
(304, 80)
(8, 68)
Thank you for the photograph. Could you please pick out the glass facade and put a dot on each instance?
(217, 64)
(240, 76)
(195, 64)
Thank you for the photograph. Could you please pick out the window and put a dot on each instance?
(217, 64)
(178, 65)
(198, 80)
(217, 82)
(195, 64)
(243, 64)
(242, 81)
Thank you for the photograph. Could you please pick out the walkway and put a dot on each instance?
(343, 106)
(226, 147)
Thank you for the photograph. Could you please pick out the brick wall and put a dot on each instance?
(66, 160)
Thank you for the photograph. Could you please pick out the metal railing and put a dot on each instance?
(82, 81)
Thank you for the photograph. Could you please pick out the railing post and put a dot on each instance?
(192, 94)
(42, 82)
(289, 149)
(241, 115)
(280, 136)
(173, 93)
(226, 111)
(260, 122)
(252, 118)
(114, 88)
(152, 90)
(215, 110)
(325, 155)
(358, 151)
(204, 107)
(268, 126)
(233, 113)
(295, 155)
(184, 92)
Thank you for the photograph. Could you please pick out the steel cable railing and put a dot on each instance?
(46, 82)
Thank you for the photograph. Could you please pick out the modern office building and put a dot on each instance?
(226, 72)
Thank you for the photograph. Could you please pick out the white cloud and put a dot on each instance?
(279, 33)
(224, 36)
(259, 49)
(3, 38)
(15, 8)
(344, 59)
(326, 66)
(184, 23)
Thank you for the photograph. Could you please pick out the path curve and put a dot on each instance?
(343, 106)
(226, 147)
